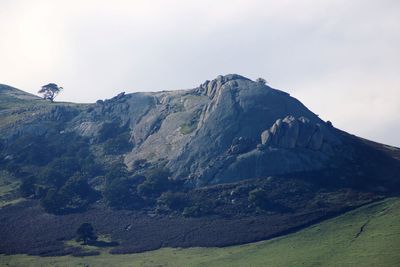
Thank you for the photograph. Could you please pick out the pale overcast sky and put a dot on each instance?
(340, 58)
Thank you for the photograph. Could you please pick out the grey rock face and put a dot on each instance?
(201, 133)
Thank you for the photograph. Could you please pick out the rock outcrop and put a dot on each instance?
(294, 133)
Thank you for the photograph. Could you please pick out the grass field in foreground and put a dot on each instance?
(368, 236)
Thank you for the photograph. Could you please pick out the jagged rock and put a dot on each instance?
(291, 133)
(266, 137)
(88, 128)
(119, 96)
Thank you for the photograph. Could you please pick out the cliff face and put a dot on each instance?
(225, 130)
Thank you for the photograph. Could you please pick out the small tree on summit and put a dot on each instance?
(50, 91)
(261, 80)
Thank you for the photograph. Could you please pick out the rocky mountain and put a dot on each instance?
(231, 147)
(227, 129)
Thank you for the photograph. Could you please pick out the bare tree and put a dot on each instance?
(50, 91)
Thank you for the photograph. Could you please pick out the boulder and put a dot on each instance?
(266, 137)
(290, 133)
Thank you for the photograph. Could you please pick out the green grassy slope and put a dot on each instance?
(17, 106)
(368, 236)
(8, 189)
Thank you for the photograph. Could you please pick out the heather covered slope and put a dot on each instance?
(368, 236)
(221, 220)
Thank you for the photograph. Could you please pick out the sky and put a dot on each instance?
(340, 58)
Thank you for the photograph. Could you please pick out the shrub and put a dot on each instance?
(261, 80)
(74, 195)
(173, 200)
(117, 171)
(78, 192)
(108, 130)
(58, 171)
(53, 202)
(111, 130)
(259, 198)
(27, 186)
(119, 189)
(121, 192)
(199, 207)
(118, 145)
(157, 181)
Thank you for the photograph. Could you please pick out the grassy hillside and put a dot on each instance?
(8, 189)
(368, 236)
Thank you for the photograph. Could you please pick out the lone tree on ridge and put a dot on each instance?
(50, 91)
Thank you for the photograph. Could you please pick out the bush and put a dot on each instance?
(173, 200)
(74, 195)
(112, 129)
(199, 207)
(117, 171)
(118, 145)
(58, 171)
(259, 198)
(121, 193)
(27, 186)
(31, 149)
(78, 193)
(261, 80)
(53, 202)
(108, 130)
(157, 181)
(120, 189)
